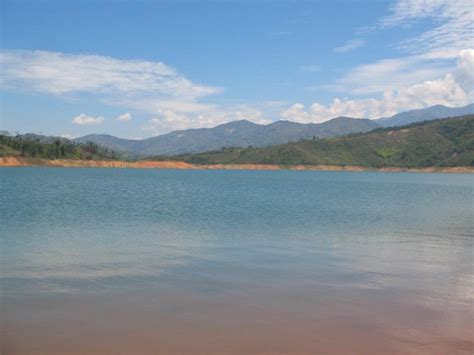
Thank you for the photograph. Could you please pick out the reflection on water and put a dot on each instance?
(83, 259)
(149, 261)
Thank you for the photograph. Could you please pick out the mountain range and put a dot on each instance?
(241, 133)
(439, 143)
(447, 142)
(425, 114)
(245, 133)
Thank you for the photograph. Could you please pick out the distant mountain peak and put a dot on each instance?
(425, 114)
(242, 122)
(344, 118)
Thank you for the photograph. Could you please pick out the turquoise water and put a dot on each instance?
(177, 261)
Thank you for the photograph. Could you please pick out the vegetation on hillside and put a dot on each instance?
(244, 133)
(32, 146)
(445, 142)
(241, 133)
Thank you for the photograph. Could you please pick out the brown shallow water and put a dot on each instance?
(174, 323)
(114, 261)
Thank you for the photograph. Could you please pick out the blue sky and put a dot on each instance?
(138, 69)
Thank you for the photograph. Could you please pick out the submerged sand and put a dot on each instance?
(149, 164)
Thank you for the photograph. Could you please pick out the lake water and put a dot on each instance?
(111, 261)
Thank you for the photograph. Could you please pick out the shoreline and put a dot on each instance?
(148, 164)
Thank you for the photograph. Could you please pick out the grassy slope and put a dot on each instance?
(446, 142)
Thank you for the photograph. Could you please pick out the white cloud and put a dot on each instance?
(297, 113)
(465, 70)
(59, 74)
(175, 102)
(454, 89)
(151, 87)
(83, 120)
(453, 24)
(442, 52)
(168, 119)
(148, 86)
(444, 91)
(349, 46)
(124, 117)
(433, 52)
(391, 74)
(67, 136)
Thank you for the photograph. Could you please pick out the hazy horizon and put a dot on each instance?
(220, 124)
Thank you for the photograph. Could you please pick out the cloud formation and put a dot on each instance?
(454, 89)
(465, 71)
(84, 120)
(453, 29)
(169, 119)
(145, 85)
(439, 67)
(59, 74)
(67, 136)
(431, 52)
(150, 87)
(435, 68)
(349, 46)
(391, 74)
(124, 117)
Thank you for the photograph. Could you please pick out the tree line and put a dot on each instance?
(52, 148)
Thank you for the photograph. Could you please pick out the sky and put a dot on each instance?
(143, 68)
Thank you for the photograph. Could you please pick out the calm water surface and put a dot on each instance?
(111, 261)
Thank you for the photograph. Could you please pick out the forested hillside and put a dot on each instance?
(33, 146)
(446, 142)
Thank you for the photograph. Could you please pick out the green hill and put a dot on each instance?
(244, 133)
(445, 142)
(42, 147)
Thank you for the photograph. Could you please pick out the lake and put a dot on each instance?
(132, 261)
